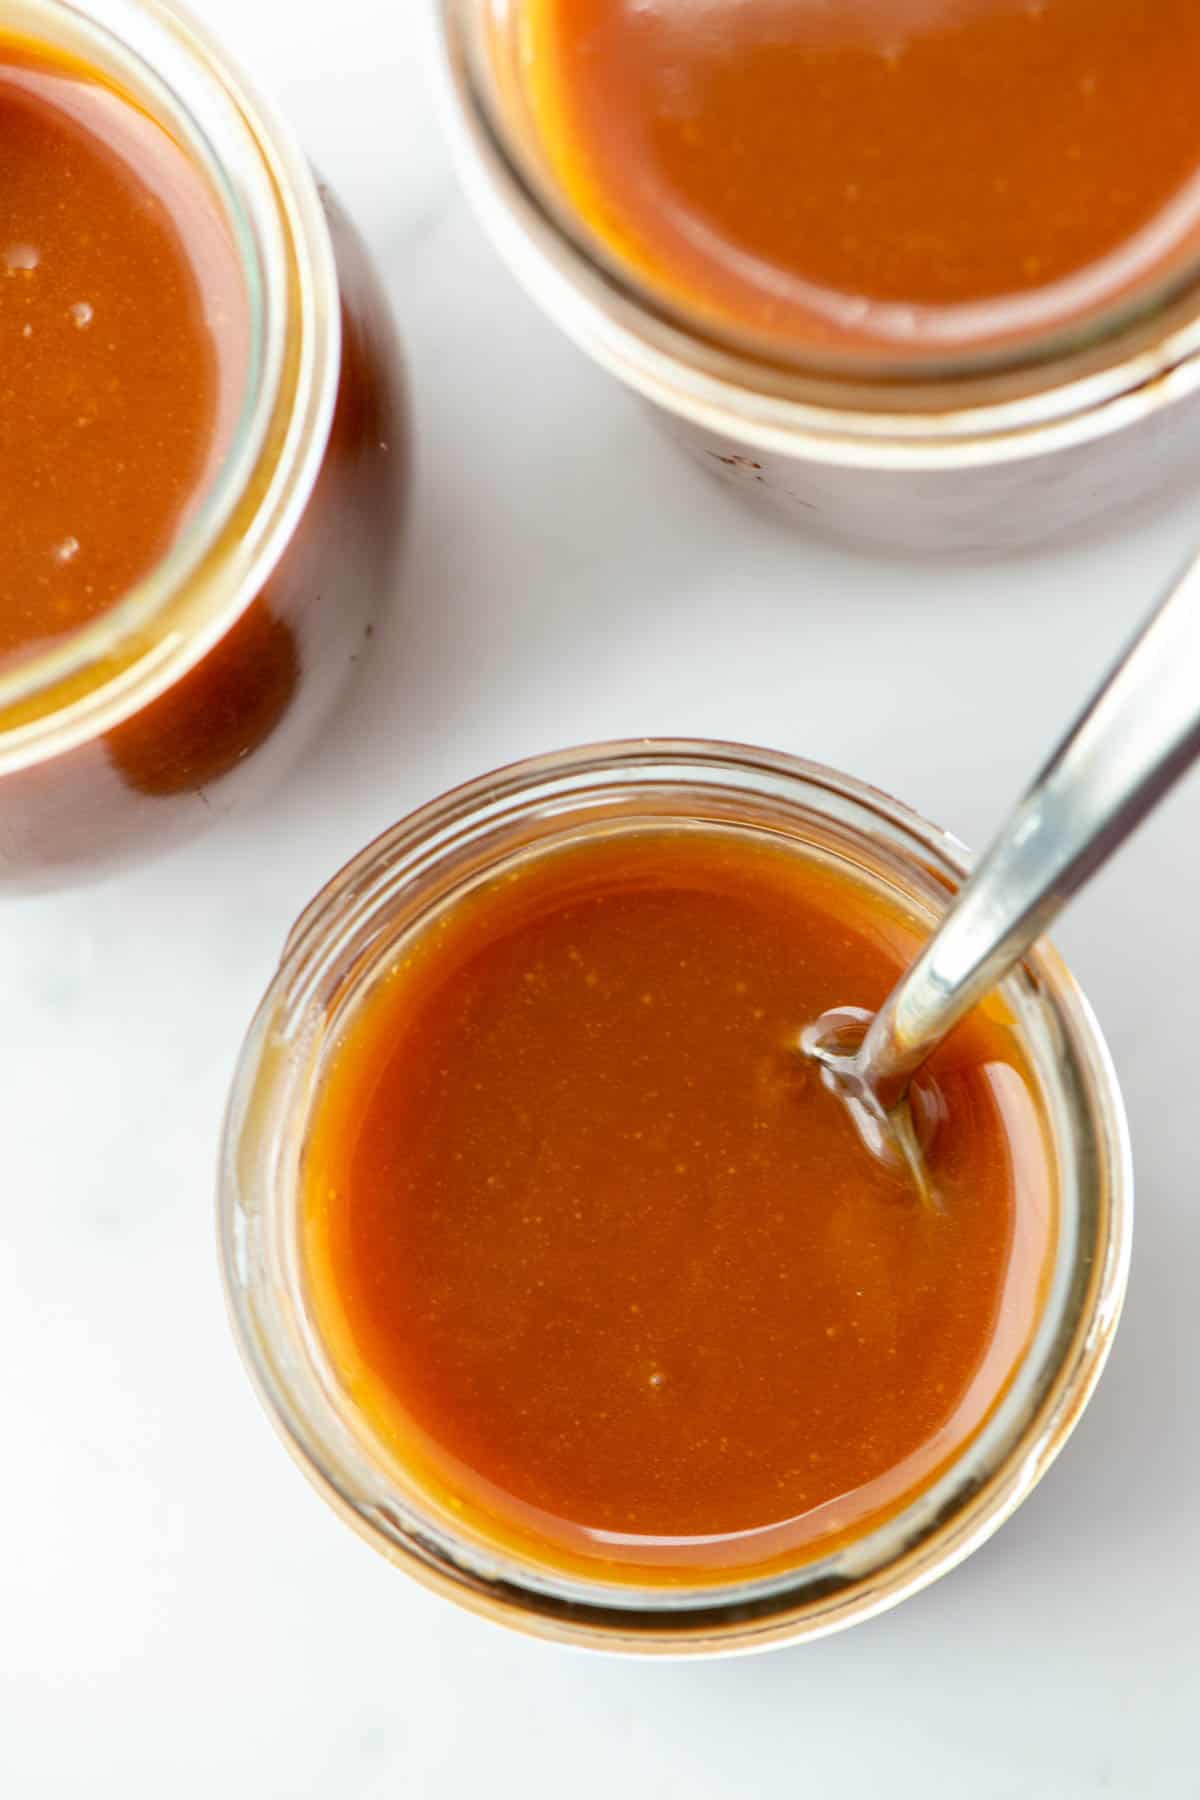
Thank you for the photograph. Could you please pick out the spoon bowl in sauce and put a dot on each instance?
(1139, 733)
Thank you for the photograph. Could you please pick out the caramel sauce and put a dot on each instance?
(122, 345)
(601, 1263)
(915, 174)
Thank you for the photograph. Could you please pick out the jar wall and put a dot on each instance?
(222, 735)
(989, 506)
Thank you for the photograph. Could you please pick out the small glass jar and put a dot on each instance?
(200, 686)
(986, 452)
(348, 937)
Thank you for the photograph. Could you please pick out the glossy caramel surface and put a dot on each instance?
(602, 1263)
(121, 320)
(933, 175)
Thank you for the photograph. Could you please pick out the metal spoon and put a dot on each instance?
(1140, 732)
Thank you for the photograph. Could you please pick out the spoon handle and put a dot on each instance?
(1139, 733)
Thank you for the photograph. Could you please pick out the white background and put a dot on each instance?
(180, 1616)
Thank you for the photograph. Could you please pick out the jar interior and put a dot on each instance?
(139, 86)
(150, 359)
(381, 1494)
(1005, 346)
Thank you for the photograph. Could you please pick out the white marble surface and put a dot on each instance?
(179, 1614)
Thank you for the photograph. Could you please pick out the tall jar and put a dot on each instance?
(188, 698)
(350, 938)
(977, 453)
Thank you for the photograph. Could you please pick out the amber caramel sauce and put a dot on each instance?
(123, 343)
(919, 175)
(599, 1262)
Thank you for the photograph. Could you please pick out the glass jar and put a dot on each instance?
(348, 937)
(199, 687)
(978, 453)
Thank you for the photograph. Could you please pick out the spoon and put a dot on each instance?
(1137, 736)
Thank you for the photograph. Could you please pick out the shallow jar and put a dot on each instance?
(348, 938)
(981, 453)
(187, 699)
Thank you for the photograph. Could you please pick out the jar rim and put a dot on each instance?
(910, 413)
(167, 60)
(346, 927)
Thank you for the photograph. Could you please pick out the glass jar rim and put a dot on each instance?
(98, 674)
(913, 412)
(346, 928)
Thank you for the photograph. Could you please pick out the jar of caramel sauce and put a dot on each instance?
(910, 273)
(202, 458)
(566, 1278)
